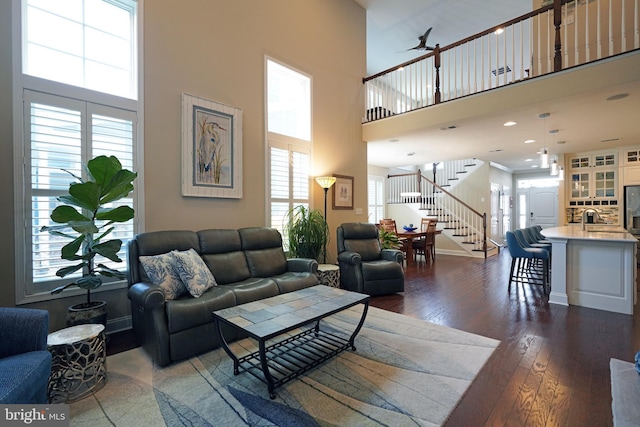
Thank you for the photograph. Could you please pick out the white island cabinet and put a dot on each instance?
(595, 269)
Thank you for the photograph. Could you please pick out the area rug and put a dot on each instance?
(404, 372)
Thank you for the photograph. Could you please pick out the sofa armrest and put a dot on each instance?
(147, 295)
(351, 258)
(392, 255)
(302, 265)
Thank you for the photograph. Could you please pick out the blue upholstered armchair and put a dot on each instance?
(25, 363)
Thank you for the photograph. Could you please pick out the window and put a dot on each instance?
(376, 198)
(289, 102)
(86, 43)
(77, 101)
(289, 141)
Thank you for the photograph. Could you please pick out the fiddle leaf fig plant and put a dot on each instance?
(85, 219)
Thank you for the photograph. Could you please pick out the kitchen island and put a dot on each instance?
(593, 268)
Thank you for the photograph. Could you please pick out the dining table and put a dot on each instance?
(409, 237)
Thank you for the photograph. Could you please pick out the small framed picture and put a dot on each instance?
(343, 192)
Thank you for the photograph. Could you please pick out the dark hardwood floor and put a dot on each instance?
(552, 365)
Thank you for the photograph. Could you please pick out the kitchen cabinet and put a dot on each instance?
(593, 178)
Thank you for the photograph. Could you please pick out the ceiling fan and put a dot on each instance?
(423, 42)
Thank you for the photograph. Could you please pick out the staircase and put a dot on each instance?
(461, 223)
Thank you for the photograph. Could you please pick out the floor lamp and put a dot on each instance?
(325, 182)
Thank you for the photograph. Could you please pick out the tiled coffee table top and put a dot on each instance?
(270, 316)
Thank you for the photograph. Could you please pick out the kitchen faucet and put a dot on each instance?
(594, 212)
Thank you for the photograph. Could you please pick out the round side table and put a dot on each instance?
(329, 274)
(79, 362)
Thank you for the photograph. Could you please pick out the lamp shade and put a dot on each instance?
(544, 159)
(325, 181)
(554, 168)
(560, 173)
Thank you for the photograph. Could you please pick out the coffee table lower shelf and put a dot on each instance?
(291, 357)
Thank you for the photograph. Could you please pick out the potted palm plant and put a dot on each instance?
(307, 233)
(85, 219)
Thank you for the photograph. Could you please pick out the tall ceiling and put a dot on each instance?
(585, 120)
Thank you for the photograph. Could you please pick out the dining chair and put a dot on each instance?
(426, 246)
(389, 224)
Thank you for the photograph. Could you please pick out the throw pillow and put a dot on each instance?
(193, 272)
(160, 270)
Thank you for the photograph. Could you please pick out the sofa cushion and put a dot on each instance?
(188, 312)
(193, 272)
(159, 269)
(156, 243)
(254, 289)
(293, 281)
(24, 378)
(381, 270)
(221, 251)
(263, 248)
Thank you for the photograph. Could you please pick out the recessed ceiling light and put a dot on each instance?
(529, 141)
(499, 31)
(394, 140)
(497, 150)
(411, 154)
(617, 96)
(610, 140)
(528, 160)
(510, 124)
(561, 142)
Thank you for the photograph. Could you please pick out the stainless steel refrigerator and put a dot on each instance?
(632, 209)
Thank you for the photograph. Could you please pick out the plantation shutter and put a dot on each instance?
(61, 135)
(376, 199)
(289, 181)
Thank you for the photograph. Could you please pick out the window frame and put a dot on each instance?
(285, 142)
(21, 160)
(377, 180)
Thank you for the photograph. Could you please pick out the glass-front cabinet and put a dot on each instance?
(594, 179)
(580, 185)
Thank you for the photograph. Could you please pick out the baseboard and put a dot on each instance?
(119, 324)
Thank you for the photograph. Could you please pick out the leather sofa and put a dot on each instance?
(364, 266)
(248, 264)
(25, 363)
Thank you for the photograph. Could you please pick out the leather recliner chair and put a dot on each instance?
(364, 266)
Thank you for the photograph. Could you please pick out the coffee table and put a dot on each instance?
(281, 356)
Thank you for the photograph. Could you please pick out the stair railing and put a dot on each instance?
(456, 215)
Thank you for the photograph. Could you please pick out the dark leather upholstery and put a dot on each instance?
(249, 264)
(364, 266)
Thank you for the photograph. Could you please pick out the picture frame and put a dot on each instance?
(342, 196)
(211, 148)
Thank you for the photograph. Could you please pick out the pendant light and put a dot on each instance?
(544, 154)
(554, 162)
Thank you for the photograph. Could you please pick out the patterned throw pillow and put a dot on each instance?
(160, 270)
(193, 272)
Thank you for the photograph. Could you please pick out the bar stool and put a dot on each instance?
(528, 264)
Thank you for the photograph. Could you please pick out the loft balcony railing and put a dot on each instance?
(560, 35)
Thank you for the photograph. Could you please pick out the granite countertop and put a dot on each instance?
(592, 232)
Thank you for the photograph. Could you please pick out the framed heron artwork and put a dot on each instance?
(211, 148)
